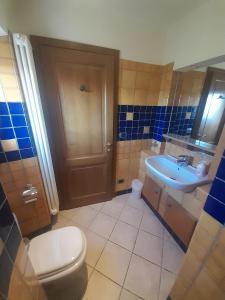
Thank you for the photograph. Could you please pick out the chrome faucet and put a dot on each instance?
(184, 160)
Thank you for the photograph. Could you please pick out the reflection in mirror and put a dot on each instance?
(197, 97)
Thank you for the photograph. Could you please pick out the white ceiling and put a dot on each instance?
(136, 27)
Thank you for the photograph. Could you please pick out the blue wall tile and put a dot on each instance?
(2, 158)
(6, 265)
(218, 190)
(221, 170)
(18, 120)
(2, 195)
(215, 209)
(16, 108)
(13, 241)
(7, 134)
(215, 203)
(26, 153)
(4, 108)
(21, 132)
(6, 221)
(11, 238)
(5, 122)
(24, 143)
(12, 155)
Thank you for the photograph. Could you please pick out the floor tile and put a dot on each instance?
(68, 213)
(131, 216)
(103, 225)
(112, 208)
(143, 278)
(95, 245)
(151, 224)
(137, 203)
(149, 247)
(84, 215)
(122, 198)
(124, 235)
(126, 295)
(101, 288)
(172, 257)
(167, 281)
(89, 270)
(168, 237)
(114, 262)
(63, 222)
(97, 206)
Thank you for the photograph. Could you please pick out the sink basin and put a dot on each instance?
(181, 178)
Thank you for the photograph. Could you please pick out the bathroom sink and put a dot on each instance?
(183, 178)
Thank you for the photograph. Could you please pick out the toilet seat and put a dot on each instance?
(57, 253)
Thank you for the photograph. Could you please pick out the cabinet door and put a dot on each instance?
(152, 192)
(178, 219)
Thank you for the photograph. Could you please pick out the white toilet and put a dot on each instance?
(58, 259)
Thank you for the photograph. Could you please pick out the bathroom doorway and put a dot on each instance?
(78, 85)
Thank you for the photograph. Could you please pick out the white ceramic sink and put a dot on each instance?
(181, 178)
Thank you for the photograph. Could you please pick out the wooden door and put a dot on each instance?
(78, 85)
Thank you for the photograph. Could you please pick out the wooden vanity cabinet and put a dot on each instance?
(177, 218)
(152, 191)
(174, 215)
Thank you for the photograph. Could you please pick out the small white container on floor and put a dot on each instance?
(137, 186)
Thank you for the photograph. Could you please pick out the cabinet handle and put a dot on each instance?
(169, 205)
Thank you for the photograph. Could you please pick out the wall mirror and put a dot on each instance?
(197, 98)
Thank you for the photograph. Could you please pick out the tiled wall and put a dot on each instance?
(142, 122)
(139, 83)
(215, 203)
(203, 271)
(165, 85)
(190, 86)
(17, 279)
(18, 164)
(151, 122)
(127, 163)
(202, 274)
(15, 134)
(182, 119)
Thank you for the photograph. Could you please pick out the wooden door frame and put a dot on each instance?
(202, 102)
(37, 42)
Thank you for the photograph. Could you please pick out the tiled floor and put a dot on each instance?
(130, 254)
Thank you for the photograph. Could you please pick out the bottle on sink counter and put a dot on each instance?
(202, 168)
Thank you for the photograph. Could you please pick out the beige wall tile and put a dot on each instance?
(9, 145)
(126, 96)
(141, 96)
(122, 173)
(128, 64)
(5, 50)
(8, 81)
(127, 78)
(17, 175)
(12, 95)
(129, 116)
(7, 65)
(143, 80)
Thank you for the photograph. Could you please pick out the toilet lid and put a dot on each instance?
(56, 250)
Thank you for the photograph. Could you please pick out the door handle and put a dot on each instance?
(108, 146)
